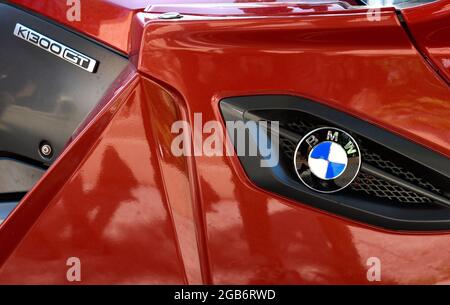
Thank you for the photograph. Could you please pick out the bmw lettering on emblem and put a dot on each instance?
(327, 159)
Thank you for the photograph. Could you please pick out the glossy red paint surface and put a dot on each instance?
(369, 69)
(430, 26)
(127, 236)
(111, 21)
(249, 9)
(118, 199)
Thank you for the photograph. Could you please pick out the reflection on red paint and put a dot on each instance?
(429, 26)
(134, 213)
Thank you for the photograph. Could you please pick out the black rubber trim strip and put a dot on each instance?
(23, 159)
(277, 180)
(12, 197)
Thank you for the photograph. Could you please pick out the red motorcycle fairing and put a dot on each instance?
(110, 22)
(133, 213)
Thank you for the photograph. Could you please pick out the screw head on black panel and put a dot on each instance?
(46, 150)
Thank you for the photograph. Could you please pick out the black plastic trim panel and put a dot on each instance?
(43, 98)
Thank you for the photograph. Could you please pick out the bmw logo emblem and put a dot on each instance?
(327, 159)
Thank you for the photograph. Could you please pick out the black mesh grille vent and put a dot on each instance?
(375, 155)
(383, 189)
(383, 163)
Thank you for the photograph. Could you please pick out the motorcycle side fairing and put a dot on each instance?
(117, 198)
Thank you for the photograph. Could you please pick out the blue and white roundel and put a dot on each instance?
(327, 160)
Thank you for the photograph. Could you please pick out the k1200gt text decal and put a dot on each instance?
(80, 60)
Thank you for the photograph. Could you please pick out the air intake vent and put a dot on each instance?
(374, 186)
(401, 185)
(383, 163)
(380, 188)
(378, 156)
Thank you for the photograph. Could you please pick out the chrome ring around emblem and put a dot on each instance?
(327, 159)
